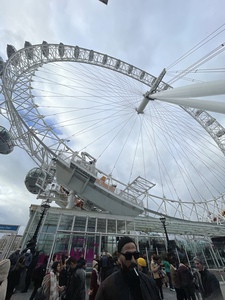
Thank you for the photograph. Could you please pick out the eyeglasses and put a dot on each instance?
(128, 255)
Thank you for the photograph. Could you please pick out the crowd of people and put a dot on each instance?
(124, 275)
(61, 277)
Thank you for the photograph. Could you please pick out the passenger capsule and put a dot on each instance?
(34, 176)
(29, 52)
(10, 50)
(45, 49)
(6, 141)
(1, 65)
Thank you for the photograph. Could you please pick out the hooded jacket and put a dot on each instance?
(4, 271)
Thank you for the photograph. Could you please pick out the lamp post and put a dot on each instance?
(163, 220)
(33, 241)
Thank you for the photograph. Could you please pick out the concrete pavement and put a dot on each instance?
(168, 295)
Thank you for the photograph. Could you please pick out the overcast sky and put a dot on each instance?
(149, 34)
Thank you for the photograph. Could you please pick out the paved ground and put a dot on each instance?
(21, 296)
(168, 295)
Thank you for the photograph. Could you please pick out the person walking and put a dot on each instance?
(63, 276)
(14, 257)
(27, 258)
(76, 289)
(180, 293)
(29, 271)
(103, 266)
(166, 265)
(127, 282)
(207, 282)
(187, 280)
(94, 283)
(14, 277)
(156, 268)
(25, 276)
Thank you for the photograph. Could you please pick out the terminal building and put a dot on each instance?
(77, 231)
(94, 210)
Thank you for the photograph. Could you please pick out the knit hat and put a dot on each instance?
(142, 262)
(123, 241)
(199, 259)
(94, 263)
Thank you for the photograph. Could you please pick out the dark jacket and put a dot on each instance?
(185, 276)
(38, 274)
(14, 257)
(93, 284)
(175, 277)
(116, 287)
(76, 285)
(209, 285)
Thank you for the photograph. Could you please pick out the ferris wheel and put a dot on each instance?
(115, 136)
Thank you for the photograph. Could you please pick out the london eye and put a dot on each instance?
(114, 136)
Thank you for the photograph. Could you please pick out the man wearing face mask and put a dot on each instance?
(128, 283)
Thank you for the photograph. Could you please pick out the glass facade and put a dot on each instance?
(77, 231)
